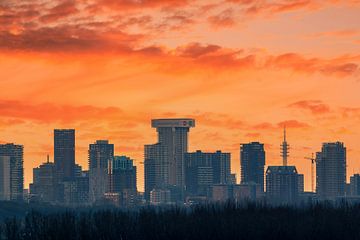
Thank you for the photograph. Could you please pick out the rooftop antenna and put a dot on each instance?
(284, 149)
(48, 159)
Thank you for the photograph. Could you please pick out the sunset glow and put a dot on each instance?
(242, 68)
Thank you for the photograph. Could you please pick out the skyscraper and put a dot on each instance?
(100, 154)
(252, 160)
(16, 153)
(4, 178)
(282, 184)
(45, 185)
(64, 152)
(173, 134)
(156, 168)
(205, 169)
(331, 170)
(124, 180)
(124, 174)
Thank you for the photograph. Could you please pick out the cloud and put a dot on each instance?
(62, 10)
(314, 106)
(340, 33)
(337, 66)
(136, 4)
(48, 113)
(67, 39)
(224, 19)
(293, 124)
(259, 7)
(195, 50)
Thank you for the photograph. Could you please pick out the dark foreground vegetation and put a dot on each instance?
(228, 221)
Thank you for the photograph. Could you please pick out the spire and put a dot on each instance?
(284, 149)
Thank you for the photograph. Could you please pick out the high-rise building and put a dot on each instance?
(282, 184)
(45, 186)
(205, 169)
(173, 134)
(100, 154)
(124, 174)
(252, 160)
(331, 170)
(355, 185)
(64, 153)
(16, 153)
(4, 178)
(156, 168)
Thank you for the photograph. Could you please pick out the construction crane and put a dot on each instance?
(313, 160)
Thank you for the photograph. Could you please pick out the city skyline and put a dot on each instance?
(141, 182)
(242, 69)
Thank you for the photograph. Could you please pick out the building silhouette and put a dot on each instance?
(5, 178)
(173, 135)
(156, 168)
(282, 184)
(355, 185)
(64, 152)
(100, 154)
(202, 170)
(45, 185)
(331, 170)
(124, 180)
(16, 153)
(252, 160)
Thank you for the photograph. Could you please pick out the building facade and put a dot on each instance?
(64, 153)
(124, 174)
(156, 168)
(331, 171)
(16, 154)
(282, 184)
(45, 186)
(173, 135)
(5, 178)
(202, 170)
(100, 154)
(252, 161)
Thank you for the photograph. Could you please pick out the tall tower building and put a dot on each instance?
(284, 149)
(156, 168)
(64, 152)
(282, 184)
(4, 178)
(252, 160)
(16, 153)
(100, 154)
(45, 184)
(202, 170)
(331, 170)
(173, 135)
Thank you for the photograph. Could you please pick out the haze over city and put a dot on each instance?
(242, 69)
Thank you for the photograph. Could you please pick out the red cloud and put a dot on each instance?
(135, 4)
(293, 124)
(195, 50)
(298, 63)
(224, 19)
(54, 113)
(60, 11)
(314, 106)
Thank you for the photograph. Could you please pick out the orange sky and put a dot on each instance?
(241, 68)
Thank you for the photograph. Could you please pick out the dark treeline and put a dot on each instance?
(226, 221)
